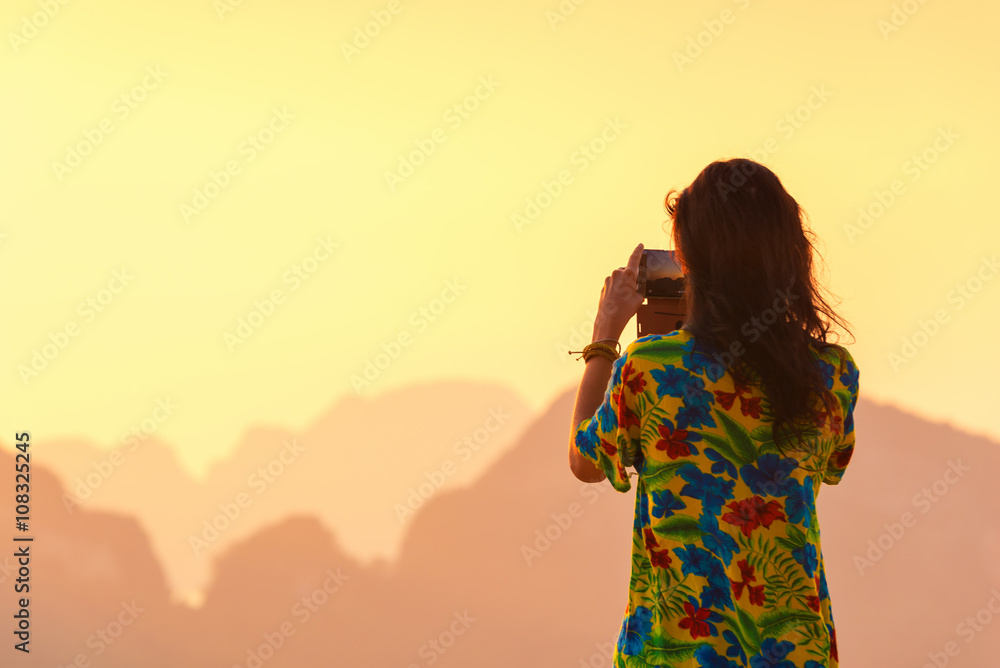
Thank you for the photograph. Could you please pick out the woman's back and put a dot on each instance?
(726, 557)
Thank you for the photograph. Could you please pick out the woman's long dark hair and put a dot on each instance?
(748, 258)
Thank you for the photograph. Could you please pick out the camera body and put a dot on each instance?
(661, 281)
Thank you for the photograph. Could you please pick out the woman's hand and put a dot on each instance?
(620, 299)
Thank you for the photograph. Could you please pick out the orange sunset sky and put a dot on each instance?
(451, 192)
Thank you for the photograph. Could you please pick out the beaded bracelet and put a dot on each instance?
(602, 348)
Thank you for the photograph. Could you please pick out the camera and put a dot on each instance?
(661, 281)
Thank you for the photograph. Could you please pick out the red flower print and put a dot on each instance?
(754, 593)
(660, 558)
(820, 418)
(608, 447)
(747, 406)
(649, 539)
(844, 456)
(618, 398)
(750, 407)
(813, 601)
(833, 645)
(636, 383)
(696, 621)
(673, 441)
(837, 424)
(726, 399)
(629, 418)
(626, 416)
(752, 512)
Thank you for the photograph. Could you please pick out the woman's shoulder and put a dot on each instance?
(837, 355)
(677, 341)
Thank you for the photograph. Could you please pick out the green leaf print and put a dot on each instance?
(663, 650)
(638, 584)
(795, 536)
(628, 450)
(777, 568)
(845, 399)
(749, 639)
(750, 632)
(639, 581)
(663, 354)
(682, 528)
(722, 446)
(658, 474)
(742, 444)
(776, 622)
(765, 440)
(672, 594)
(639, 662)
(818, 639)
(653, 419)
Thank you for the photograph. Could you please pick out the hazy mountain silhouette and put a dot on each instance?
(462, 569)
(389, 443)
(96, 588)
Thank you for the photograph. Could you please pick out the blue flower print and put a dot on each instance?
(719, 542)
(735, 650)
(800, 503)
(635, 630)
(827, 370)
(717, 596)
(700, 361)
(586, 441)
(606, 415)
(721, 465)
(665, 503)
(708, 658)
(669, 381)
(642, 510)
(696, 411)
(770, 476)
(823, 591)
(701, 562)
(806, 555)
(695, 560)
(850, 377)
(718, 593)
(712, 491)
(772, 654)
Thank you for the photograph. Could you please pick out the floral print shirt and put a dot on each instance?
(727, 569)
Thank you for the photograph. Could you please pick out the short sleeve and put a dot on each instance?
(846, 389)
(610, 439)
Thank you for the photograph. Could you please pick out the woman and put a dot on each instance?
(731, 424)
